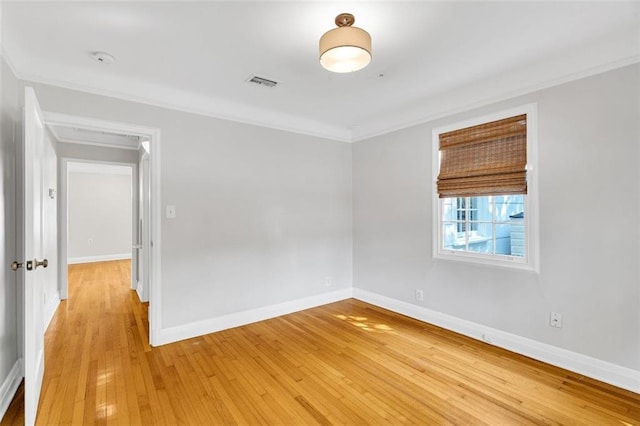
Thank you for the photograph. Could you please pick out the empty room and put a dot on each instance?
(385, 212)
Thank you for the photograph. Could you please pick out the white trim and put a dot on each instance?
(56, 134)
(98, 258)
(10, 386)
(607, 372)
(531, 219)
(140, 291)
(7, 60)
(212, 325)
(154, 291)
(98, 144)
(88, 123)
(50, 309)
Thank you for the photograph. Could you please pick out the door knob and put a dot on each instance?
(37, 263)
(16, 265)
(33, 264)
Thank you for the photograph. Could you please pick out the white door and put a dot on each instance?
(32, 276)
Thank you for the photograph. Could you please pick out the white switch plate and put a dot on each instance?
(171, 212)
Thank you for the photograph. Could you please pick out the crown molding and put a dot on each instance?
(7, 60)
(474, 95)
(205, 106)
(420, 114)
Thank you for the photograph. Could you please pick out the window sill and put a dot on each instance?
(499, 261)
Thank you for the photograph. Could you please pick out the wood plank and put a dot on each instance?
(343, 363)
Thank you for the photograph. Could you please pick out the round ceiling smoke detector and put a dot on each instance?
(103, 58)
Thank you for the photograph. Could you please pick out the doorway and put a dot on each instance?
(92, 140)
(100, 199)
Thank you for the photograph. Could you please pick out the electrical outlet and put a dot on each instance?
(555, 320)
(419, 294)
(328, 282)
(171, 212)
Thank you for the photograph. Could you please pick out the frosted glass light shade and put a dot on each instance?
(345, 49)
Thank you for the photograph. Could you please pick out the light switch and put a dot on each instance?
(171, 212)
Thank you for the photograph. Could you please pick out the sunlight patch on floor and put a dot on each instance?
(104, 411)
(363, 323)
(104, 378)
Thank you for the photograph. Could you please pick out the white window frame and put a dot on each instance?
(531, 217)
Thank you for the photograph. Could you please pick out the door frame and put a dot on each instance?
(152, 134)
(63, 221)
(142, 220)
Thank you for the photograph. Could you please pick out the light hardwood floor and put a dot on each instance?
(343, 363)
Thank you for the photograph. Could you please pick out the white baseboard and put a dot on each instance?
(140, 291)
(604, 371)
(199, 328)
(10, 386)
(99, 258)
(50, 309)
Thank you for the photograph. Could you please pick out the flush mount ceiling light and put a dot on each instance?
(346, 48)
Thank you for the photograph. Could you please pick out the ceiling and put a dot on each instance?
(430, 58)
(98, 168)
(85, 136)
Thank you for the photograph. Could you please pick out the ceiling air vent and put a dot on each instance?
(262, 81)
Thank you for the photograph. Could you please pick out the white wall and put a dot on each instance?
(589, 188)
(99, 212)
(9, 117)
(263, 216)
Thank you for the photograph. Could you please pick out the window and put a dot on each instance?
(485, 205)
(488, 224)
(466, 214)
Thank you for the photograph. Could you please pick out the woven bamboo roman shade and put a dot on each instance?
(487, 159)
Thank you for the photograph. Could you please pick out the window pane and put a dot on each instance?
(481, 241)
(516, 237)
(503, 239)
(450, 237)
(470, 222)
(448, 209)
(508, 205)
